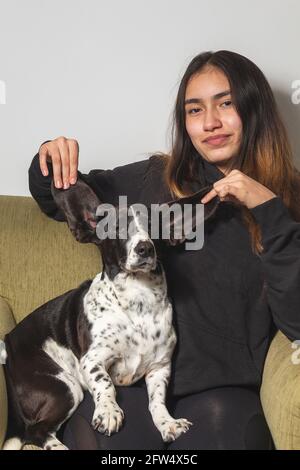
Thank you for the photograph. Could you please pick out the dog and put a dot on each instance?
(112, 330)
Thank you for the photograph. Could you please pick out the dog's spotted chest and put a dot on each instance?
(132, 317)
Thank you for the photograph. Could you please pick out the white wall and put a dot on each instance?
(106, 72)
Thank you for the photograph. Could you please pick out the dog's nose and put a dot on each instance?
(144, 249)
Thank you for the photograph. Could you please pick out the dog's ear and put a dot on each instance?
(79, 204)
(189, 217)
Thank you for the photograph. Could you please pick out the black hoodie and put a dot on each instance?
(228, 302)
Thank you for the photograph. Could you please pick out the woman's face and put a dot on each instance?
(211, 119)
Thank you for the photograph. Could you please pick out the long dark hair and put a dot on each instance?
(265, 152)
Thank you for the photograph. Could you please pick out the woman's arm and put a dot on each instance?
(107, 184)
(281, 264)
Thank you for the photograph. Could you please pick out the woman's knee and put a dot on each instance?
(224, 418)
(137, 432)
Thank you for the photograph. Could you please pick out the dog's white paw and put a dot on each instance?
(108, 417)
(172, 428)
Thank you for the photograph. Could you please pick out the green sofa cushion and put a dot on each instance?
(39, 258)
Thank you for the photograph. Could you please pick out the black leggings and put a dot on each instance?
(223, 418)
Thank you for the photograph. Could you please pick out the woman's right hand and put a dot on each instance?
(63, 154)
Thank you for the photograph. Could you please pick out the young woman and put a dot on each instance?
(231, 296)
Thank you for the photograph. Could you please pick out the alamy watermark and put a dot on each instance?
(2, 92)
(295, 98)
(295, 357)
(160, 221)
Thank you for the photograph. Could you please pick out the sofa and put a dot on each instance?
(40, 259)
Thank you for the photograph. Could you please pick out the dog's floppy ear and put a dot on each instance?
(191, 217)
(79, 204)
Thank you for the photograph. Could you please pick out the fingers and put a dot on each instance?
(56, 166)
(73, 152)
(63, 154)
(43, 160)
(229, 193)
(239, 189)
(225, 187)
(65, 162)
(224, 191)
(209, 196)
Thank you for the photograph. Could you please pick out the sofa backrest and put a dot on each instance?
(39, 258)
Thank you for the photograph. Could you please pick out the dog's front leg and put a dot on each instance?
(157, 381)
(108, 416)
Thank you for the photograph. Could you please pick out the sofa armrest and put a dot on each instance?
(7, 322)
(280, 393)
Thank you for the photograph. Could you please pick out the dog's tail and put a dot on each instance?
(14, 443)
(15, 428)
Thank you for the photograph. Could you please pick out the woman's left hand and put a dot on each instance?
(238, 187)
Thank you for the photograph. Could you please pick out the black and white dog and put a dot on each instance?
(112, 330)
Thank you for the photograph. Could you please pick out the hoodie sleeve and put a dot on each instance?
(124, 180)
(281, 264)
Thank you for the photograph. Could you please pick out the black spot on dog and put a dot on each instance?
(99, 377)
